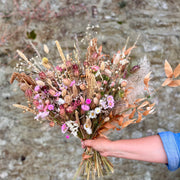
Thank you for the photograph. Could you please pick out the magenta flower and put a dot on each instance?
(59, 68)
(50, 107)
(96, 68)
(64, 128)
(110, 104)
(67, 137)
(88, 101)
(85, 107)
(57, 94)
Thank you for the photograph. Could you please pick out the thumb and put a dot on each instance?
(87, 143)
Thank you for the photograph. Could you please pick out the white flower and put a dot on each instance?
(103, 104)
(124, 61)
(88, 129)
(73, 126)
(92, 114)
(61, 101)
(97, 110)
(97, 73)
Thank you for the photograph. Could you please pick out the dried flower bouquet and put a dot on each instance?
(86, 98)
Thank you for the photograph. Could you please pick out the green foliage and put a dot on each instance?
(31, 35)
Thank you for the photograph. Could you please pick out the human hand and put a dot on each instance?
(102, 145)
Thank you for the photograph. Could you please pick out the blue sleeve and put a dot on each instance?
(171, 143)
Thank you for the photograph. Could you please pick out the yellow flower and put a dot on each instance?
(44, 60)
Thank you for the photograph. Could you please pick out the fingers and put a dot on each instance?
(87, 143)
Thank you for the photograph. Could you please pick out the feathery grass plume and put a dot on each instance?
(25, 108)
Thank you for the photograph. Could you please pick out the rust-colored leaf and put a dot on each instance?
(167, 81)
(109, 125)
(127, 123)
(120, 121)
(131, 106)
(139, 100)
(168, 69)
(146, 80)
(128, 51)
(86, 156)
(145, 113)
(174, 83)
(132, 114)
(100, 50)
(143, 104)
(177, 71)
(152, 105)
(139, 117)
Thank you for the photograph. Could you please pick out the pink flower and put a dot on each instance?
(36, 96)
(110, 104)
(105, 82)
(50, 107)
(57, 94)
(42, 75)
(72, 83)
(64, 128)
(59, 68)
(70, 109)
(110, 98)
(62, 112)
(28, 92)
(67, 137)
(82, 100)
(95, 68)
(51, 124)
(112, 84)
(37, 88)
(85, 107)
(88, 101)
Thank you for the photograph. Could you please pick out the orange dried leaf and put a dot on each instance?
(177, 71)
(127, 123)
(174, 83)
(139, 100)
(128, 51)
(109, 125)
(168, 69)
(146, 80)
(131, 106)
(100, 50)
(152, 105)
(139, 117)
(85, 156)
(132, 114)
(167, 81)
(143, 104)
(145, 113)
(120, 121)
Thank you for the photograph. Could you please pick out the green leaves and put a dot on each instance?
(31, 35)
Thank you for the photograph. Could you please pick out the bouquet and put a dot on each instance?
(86, 97)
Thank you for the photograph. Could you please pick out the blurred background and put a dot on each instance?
(30, 150)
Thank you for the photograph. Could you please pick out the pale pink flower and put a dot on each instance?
(37, 88)
(72, 83)
(85, 107)
(110, 104)
(64, 128)
(110, 98)
(50, 107)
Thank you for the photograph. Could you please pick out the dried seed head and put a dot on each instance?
(96, 100)
(23, 86)
(102, 66)
(82, 87)
(50, 74)
(40, 83)
(46, 49)
(88, 122)
(75, 91)
(106, 119)
(64, 91)
(66, 82)
(68, 99)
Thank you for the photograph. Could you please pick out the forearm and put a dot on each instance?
(145, 149)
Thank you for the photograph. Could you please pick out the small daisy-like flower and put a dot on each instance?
(61, 101)
(103, 104)
(87, 129)
(85, 107)
(64, 128)
(92, 114)
(97, 110)
(50, 107)
(110, 104)
(110, 98)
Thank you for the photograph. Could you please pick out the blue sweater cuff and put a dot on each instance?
(171, 149)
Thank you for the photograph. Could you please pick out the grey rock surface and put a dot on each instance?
(30, 150)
